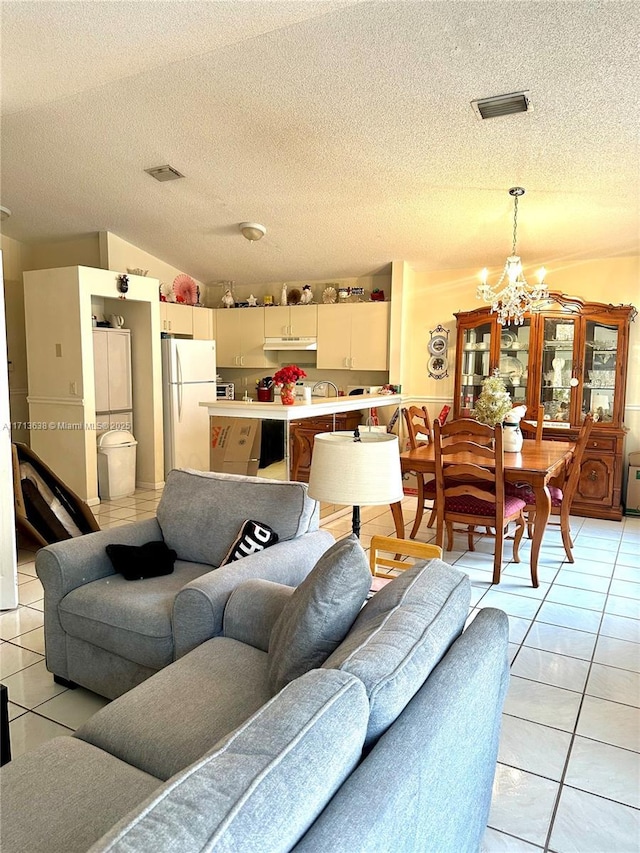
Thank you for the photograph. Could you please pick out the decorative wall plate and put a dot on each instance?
(185, 286)
(437, 366)
(329, 295)
(438, 344)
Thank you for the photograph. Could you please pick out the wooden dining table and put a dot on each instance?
(536, 464)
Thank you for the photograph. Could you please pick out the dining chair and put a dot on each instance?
(470, 491)
(420, 433)
(386, 567)
(562, 492)
(529, 429)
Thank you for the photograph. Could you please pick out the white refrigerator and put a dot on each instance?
(188, 379)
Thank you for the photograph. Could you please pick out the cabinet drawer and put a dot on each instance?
(601, 444)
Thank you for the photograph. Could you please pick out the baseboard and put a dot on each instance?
(150, 487)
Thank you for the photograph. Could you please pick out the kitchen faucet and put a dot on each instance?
(326, 382)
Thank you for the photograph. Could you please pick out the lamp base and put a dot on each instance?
(355, 522)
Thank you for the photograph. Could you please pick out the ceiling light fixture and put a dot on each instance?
(512, 301)
(252, 231)
(5, 213)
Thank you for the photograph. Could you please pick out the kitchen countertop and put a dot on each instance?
(318, 406)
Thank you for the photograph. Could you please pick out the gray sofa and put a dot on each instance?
(389, 744)
(109, 634)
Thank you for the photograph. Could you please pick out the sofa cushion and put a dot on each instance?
(316, 618)
(265, 784)
(64, 795)
(172, 719)
(200, 513)
(133, 621)
(253, 536)
(401, 634)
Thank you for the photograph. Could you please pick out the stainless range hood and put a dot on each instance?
(291, 343)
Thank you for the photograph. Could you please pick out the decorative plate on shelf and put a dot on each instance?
(294, 296)
(507, 339)
(186, 288)
(329, 295)
(511, 367)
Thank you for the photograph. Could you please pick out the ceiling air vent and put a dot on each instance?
(502, 105)
(164, 173)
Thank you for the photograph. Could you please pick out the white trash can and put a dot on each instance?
(116, 464)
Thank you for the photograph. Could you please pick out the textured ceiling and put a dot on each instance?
(344, 127)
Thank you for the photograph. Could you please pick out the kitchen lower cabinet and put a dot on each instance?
(353, 336)
(303, 432)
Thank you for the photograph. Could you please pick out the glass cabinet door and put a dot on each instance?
(514, 359)
(558, 372)
(475, 362)
(599, 371)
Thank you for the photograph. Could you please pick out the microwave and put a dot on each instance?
(225, 391)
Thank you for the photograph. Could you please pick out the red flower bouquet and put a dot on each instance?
(286, 378)
(288, 375)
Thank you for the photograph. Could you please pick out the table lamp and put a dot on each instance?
(357, 469)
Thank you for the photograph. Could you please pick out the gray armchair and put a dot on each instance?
(109, 634)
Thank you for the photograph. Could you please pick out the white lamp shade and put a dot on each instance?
(356, 473)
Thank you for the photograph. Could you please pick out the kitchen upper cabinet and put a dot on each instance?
(112, 369)
(299, 321)
(176, 319)
(240, 338)
(353, 336)
(204, 324)
(570, 357)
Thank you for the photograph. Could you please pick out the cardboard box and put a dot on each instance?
(235, 445)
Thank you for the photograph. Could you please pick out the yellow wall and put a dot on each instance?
(117, 254)
(431, 298)
(83, 250)
(13, 258)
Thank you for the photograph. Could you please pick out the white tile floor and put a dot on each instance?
(568, 776)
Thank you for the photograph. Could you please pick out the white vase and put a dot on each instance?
(511, 438)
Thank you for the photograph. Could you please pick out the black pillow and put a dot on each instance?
(253, 537)
(137, 562)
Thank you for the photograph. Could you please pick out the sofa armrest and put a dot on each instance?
(73, 563)
(199, 606)
(252, 610)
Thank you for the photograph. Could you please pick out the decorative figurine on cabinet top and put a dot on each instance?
(307, 295)
(227, 299)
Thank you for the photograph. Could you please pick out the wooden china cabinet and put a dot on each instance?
(571, 357)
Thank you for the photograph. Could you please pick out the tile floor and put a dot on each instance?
(568, 775)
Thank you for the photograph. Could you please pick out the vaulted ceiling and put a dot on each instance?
(344, 127)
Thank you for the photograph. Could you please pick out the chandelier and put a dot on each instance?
(512, 301)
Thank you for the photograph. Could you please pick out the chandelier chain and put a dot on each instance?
(515, 225)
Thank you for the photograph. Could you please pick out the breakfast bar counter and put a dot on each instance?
(319, 406)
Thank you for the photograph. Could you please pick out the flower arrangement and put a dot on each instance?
(288, 375)
(493, 403)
